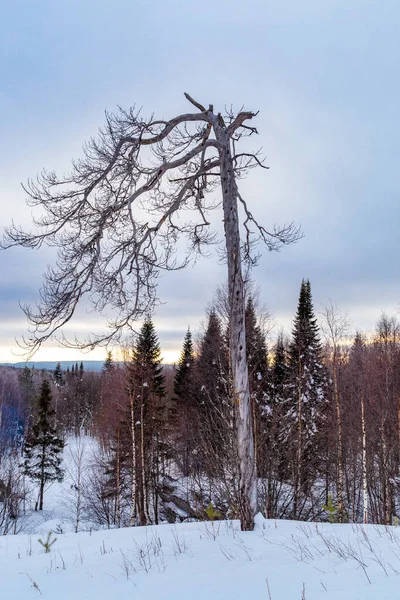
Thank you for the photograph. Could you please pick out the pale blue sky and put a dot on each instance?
(325, 77)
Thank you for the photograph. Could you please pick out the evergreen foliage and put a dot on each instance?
(48, 542)
(331, 509)
(214, 406)
(145, 366)
(258, 368)
(108, 363)
(277, 426)
(184, 375)
(185, 411)
(27, 388)
(257, 355)
(58, 375)
(308, 381)
(43, 447)
(149, 416)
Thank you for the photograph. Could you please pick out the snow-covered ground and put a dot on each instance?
(279, 560)
(206, 561)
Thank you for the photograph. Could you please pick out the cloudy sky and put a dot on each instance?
(325, 77)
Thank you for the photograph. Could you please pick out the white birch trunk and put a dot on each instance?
(133, 443)
(364, 462)
(340, 475)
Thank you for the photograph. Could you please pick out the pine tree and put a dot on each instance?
(277, 426)
(27, 388)
(185, 406)
(257, 363)
(183, 380)
(213, 395)
(83, 414)
(108, 363)
(307, 403)
(257, 354)
(58, 375)
(148, 418)
(280, 370)
(43, 447)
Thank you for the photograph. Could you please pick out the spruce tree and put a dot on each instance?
(183, 380)
(278, 425)
(146, 359)
(307, 402)
(257, 355)
(280, 370)
(257, 363)
(185, 406)
(148, 417)
(58, 375)
(213, 395)
(43, 447)
(108, 363)
(28, 392)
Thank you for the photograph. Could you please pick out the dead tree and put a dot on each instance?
(116, 220)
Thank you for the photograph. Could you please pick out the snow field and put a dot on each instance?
(206, 561)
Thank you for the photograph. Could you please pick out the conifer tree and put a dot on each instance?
(27, 387)
(183, 380)
(146, 359)
(58, 375)
(212, 381)
(307, 402)
(185, 409)
(257, 364)
(276, 427)
(43, 447)
(83, 414)
(108, 363)
(147, 419)
(257, 355)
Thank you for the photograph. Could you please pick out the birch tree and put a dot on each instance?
(335, 327)
(116, 219)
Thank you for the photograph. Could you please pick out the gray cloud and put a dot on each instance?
(324, 76)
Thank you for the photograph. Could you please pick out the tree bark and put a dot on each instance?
(340, 469)
(42, 479)
(364, 462)
(241, 391)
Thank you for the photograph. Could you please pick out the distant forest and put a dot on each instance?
(326, 414)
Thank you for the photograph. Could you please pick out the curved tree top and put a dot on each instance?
(142, 185)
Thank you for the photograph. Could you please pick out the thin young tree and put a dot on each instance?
(117, 217)
(43, 447)
(335, 327)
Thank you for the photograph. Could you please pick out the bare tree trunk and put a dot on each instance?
(339, 439)
(298, 465)
(133, 444)
(118, 481)
(42, 479)
(241, 391)
(364, 462)
(142, 511)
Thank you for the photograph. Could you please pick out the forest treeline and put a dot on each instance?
(326, 416)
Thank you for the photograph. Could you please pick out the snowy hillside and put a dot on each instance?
(206, 561)
(279, 560)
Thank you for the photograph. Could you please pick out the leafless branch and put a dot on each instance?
(142, 187)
